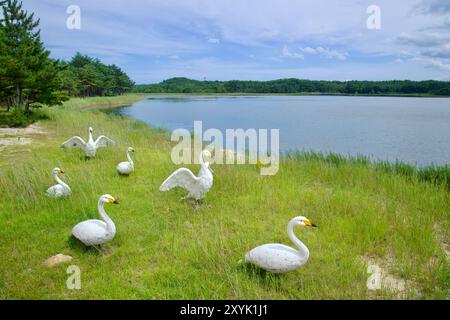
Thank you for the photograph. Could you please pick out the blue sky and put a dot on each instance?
(153, 40)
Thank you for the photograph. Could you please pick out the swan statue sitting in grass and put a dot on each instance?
(197, 187)
(90, 147)
(278, 258)
(59, 190)
(97, 232)
(126, 167)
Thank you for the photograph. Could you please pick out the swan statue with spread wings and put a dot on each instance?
(90, 147)
(279, 258)
(197, 186)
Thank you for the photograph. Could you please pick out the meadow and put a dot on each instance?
(166, 248)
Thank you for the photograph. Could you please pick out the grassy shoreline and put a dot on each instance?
(164, 248)
(103, 102)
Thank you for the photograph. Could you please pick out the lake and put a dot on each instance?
(413, 130)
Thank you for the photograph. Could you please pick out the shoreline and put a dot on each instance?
(102, 102)
(302, 94)
(431, 173)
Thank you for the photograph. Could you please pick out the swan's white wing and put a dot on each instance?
(275, 257)
(74, 142)
(124, 168)
(103, 141)
(56, 191)
(91, 232)
(180, 178)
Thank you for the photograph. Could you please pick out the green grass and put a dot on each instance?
(434, 174)
(165, 249)
(103, 102)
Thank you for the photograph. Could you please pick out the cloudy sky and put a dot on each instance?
(154, 40)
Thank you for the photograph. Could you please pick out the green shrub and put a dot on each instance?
(18, 119)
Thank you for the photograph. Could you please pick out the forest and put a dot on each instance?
(29, 77)
(297, 86)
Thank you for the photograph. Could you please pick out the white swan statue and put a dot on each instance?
(126, 167)
(97, 232)
(197, 187)
(90, 147)
(278, 258)
(61, 189)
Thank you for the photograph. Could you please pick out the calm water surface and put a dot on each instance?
(414, 130)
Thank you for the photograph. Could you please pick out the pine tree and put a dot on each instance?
(6, 86)
(26, 63)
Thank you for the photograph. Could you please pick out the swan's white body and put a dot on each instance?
(197, 186)
(97, 232)
(59, 190)
(126, 167)
(278, 258)
(90, 147)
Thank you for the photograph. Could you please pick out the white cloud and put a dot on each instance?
(286, 53)
(438, 7)
(438, 51)
(213, 40)
(439, 64)
(423, 39)
(325, 52)
(132, 32)
(433, 63)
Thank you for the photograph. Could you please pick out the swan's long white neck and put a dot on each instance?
(129, 158)
(65, 185)
(91, 138)
(302, 249)
(110, 226)
(205, 170)
(205, 167)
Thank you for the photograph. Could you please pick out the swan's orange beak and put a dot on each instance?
(113, 201)
(309, 224)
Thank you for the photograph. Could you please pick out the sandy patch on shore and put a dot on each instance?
(379, 278)
(18, 136)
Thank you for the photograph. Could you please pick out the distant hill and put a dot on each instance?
(298, 86)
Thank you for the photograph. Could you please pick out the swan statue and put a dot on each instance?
(197, 187)
(126, 167)
(90, 147)
(59, 190)
(278, 258)
(97, 232)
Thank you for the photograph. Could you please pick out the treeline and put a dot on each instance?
(85, 76)
(29, 77)
(292, 86)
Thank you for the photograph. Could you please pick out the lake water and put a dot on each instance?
(413, 130)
